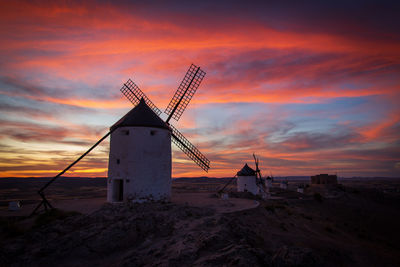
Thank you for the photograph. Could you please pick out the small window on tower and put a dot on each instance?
(125, 132)
(118, 161)
(152, 132)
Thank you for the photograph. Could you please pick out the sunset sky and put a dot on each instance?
(310, 87)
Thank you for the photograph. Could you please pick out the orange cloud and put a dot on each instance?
(376, 130)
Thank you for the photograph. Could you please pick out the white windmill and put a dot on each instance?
(143, 140)
(251, 180)
(247, 180)
(140, 146)
(139, 165)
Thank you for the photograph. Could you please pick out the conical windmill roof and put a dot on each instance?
(141, 116)
(246, 171)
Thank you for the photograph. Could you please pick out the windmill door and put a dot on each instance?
(118, 190)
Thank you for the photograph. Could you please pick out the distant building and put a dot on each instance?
(284, 185)
(324, 179)
(14, 206)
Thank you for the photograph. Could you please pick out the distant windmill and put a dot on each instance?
(174, 110)
(248, 180)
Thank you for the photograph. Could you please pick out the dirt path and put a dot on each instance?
(202, 200)
(206, 200)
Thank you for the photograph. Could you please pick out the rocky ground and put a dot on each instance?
(340, 226)
(160, 234)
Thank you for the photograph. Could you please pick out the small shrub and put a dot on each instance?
(9, 228)
(341, 187)
(318, 197)
(273, 207)
(283, 227)
(270, 208)
(280, 206)
(328, 229)
(53, 215)
(363, 234)
(308, 217)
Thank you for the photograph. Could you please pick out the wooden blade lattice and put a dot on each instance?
(134, 94)
(189, 149)
(185, 92)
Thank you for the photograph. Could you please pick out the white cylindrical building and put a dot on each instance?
(246, 180)
(139, 166)
(300, 190)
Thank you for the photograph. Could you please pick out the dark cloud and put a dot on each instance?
(359, 18)
(355, 19)
(20, 86)
(300, 70)
(31, 132)
(22, 109)
(310, 141)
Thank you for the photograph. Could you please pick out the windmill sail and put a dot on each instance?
(189, 149)
(185, 92)
(175, 108)
(134, 94)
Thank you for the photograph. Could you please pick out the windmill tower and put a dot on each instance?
(139, 165)
(140, 148)
(247, 180)
(251, 180)
(140, 152)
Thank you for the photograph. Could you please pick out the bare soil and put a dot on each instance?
(353, 224)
